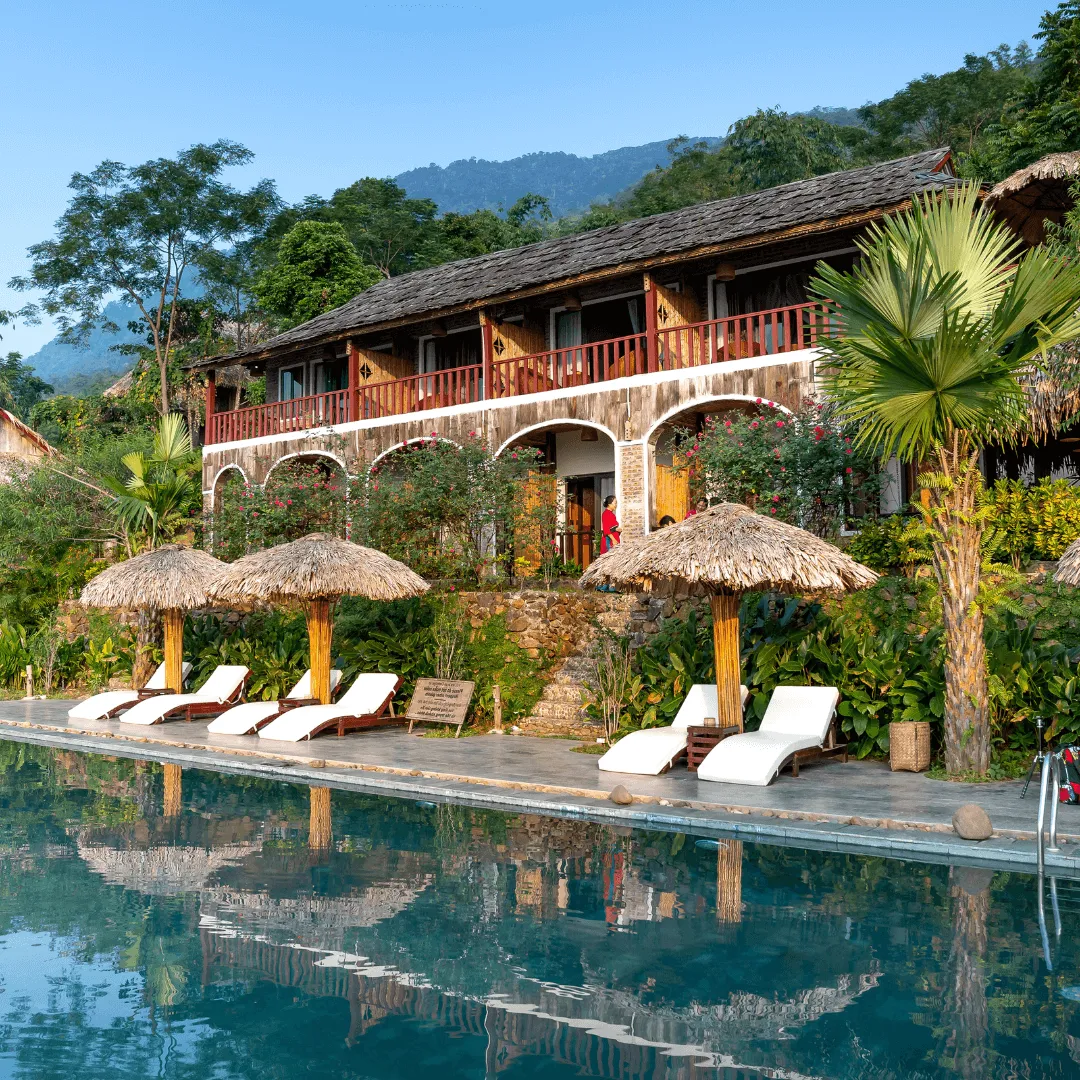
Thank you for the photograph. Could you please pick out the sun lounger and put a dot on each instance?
(367, 703)
(797, 726)
(651, 751)
(224, 687)
(102, 706)
(247, 718)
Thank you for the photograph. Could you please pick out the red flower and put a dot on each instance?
(758, 400)
(776, 498)
(779, 423)
(753, 423)
(727, 423)
(772, 509)
(848, 471)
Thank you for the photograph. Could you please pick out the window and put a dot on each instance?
(331, 375)
(292, 383)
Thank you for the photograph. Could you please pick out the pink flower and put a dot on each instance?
(727, 423)
(849, 451)
(772, 404)
(254, 513)
(288, 502)
(772, 509)
(779, 423)
(776, 498)
(452, 589)
(758, 400)
(513, 457)
(848, 471)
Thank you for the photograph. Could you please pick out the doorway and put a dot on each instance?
(585, 497)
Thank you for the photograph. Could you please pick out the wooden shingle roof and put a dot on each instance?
(695, 229)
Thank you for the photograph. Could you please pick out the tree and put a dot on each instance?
(938, 323)
(317, 269)
(20, 388)
(137, 230)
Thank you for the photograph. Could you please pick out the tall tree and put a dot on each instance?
(939, 322)
(20, 388)
(137, 231)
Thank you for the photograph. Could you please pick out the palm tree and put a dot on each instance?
(154, 495)
(940, 324)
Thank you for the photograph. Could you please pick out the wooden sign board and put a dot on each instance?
(440, 701)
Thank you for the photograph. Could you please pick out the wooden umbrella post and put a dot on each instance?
(726, 646)
(320, 830)
(320, 627)
(729, 881)
(173, 624)
(173, 790)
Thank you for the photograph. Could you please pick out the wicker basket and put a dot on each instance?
(909, 746)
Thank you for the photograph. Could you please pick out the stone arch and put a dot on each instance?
(232, 467)
(660, 486)
(312, 455)
(332, 464)
(383, 454)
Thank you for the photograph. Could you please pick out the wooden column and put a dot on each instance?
(211, 404)
(725, 620)
(487, 355)
(354, 381)
(173, 790)
(320, 626)
(652, 345)
(173, 625)
(729, 881)
(320, 832)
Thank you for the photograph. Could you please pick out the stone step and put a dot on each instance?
(569, 693)
(556, 710)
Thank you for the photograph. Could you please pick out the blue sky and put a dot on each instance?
(325, 92)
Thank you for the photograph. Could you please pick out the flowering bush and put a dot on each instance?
(802, 468)
(447, 511)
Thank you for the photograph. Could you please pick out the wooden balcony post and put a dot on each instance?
(487, 356)
(354, 381)
(211, 404)
(652, 344)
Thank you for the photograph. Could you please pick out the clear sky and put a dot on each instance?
(328, 91)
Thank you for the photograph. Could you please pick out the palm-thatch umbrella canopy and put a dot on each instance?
(1041, 192)
(314, 572)
(170, 579)
(1068, 571)
(721, 553)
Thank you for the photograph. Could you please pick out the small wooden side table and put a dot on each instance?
(700, 740)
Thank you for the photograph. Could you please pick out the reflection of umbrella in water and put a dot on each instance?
(721, 553)
(170, 579)
(165, 870)
(314, 572)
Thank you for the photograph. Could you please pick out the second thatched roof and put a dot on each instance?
(1042, 192)
(1068, 571)
(312, 568)
(169, 578)
(729, 547)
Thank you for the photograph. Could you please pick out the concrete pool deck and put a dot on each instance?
(857, 806)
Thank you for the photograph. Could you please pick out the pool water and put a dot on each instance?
(265, 930)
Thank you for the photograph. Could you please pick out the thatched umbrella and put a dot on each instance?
(170, 579)
(314, 572)
(721, 553)
(1068, 571)
(1041, 192)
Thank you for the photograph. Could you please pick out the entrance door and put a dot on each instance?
(581, 520)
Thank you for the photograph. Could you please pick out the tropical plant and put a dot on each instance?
(158, 495)
(610, 679)
(938, 320)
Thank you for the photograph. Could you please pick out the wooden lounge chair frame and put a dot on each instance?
(829, 749)
(209, 709)
(379, 718)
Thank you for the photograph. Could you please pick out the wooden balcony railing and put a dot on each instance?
(762, 333)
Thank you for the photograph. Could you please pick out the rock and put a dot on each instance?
(318, 763)
(972, 822)
(620, 796)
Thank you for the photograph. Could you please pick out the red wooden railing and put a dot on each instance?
(762, 333)
(415, 393)
(295, 414)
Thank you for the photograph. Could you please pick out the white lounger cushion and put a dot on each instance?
(650, 751)
(224, 682)
(797, 718)
(365, 696)
(246, 719)
(101, 705)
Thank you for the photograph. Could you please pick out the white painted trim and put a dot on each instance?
(707, 398)
(224, 469)
(628, 382)
(559, 423)
(408, 442)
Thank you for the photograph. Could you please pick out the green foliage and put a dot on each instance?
(806, 469)
(20, 388)
(317, 269)
(891, 544)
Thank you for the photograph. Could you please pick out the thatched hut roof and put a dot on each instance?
(312, 567)
(729, 547)
(1041, 192)
(169, 578)
(1068, 571)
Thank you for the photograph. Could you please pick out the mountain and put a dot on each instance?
(567, 181)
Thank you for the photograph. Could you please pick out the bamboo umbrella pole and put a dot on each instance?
(729, 881)
(726, 648)
(320, 625)
(173, 625)
(319, 827)
(173, 790)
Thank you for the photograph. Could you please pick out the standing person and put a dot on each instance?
(609, 525)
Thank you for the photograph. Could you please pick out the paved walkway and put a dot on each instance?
(857, 805)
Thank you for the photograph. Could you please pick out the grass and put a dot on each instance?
(1005, 765)
(590, 748)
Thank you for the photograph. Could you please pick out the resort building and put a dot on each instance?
(594, 348)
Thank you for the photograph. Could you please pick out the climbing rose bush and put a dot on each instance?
(803, 468)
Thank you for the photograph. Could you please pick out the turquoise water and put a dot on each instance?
(437, 942)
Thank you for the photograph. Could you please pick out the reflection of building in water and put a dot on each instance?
(599, 1031)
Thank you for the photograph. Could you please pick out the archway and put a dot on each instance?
(305, 493)
(564, 498)
(229, 511)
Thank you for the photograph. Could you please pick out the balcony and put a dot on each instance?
(761, 333)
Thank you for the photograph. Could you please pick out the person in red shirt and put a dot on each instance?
(609, 525)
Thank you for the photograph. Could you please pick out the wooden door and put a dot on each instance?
(581, 520)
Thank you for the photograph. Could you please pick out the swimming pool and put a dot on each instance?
(258, 929)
